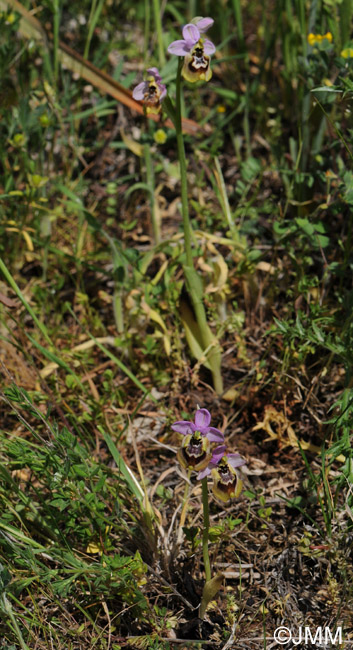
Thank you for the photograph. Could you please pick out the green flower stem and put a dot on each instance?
(206, 527)
(184, 507)
(212, 585)
(183, 176)
(193, 282)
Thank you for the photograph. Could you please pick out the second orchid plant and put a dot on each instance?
(194, 52)
(196, 454)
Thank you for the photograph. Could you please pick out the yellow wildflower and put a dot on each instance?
(318, 38)
(347, 53)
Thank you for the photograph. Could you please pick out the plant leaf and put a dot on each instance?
(193, 334)
(211, 588)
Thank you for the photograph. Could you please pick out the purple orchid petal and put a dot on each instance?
(180, 48)
(138, 92)
(235, 460)
(218, 453)
(214, 435)
(184, 427)
(163, 90)
(205, 472)
(202, 419)
(191, 35)
(155, 73)
(203, 24)
(208, 47)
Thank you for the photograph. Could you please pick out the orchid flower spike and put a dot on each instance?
(195, 50)
(226, 479)
(151, 92)
(195, 452)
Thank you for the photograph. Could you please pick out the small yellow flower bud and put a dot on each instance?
(35, 180)
(44, 120)
(18, 140)
(160, 136)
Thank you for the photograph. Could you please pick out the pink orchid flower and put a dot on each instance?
(195, 452)
(151, 92)
(196, 50)
(223, 467)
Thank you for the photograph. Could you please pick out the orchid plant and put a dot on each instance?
(195, 454)
(194, 65)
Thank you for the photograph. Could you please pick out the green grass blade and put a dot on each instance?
(130, 478)
(122, 367)
(20, 295)
(52, 357)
